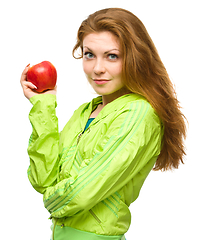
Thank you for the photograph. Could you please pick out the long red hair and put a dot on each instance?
(143, 73)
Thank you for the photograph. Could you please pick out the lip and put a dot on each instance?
(100, 81)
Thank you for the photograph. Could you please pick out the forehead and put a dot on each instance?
(102, 41)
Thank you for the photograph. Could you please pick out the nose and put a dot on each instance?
(99, 67)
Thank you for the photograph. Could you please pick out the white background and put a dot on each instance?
(38, 30)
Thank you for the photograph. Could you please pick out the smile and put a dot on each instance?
(100, 81)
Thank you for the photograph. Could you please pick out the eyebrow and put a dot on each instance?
(104, 52)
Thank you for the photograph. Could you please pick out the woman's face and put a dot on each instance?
(102, 64)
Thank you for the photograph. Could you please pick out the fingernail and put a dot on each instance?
(35, 87)
(28, 65)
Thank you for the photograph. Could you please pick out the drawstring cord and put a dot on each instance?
(54, 221)
(53, 233)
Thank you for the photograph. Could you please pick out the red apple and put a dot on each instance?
(43, 75)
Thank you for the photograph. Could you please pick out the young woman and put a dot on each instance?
(94, 169)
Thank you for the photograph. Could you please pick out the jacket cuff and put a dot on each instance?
(48, 98)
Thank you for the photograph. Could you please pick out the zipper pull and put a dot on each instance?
(79, 136)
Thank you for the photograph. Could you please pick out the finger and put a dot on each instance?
(29, 85)
(26, 69)
(24, 73)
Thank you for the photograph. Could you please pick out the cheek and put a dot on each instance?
(86, 68)
(116, 70)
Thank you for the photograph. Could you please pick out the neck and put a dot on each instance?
(111, 97)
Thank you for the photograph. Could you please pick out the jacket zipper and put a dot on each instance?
(79, 136)
(81, 133)
(94, 215)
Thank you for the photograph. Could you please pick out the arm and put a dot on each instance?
(43, 147)
(43, 144)
(132, 142)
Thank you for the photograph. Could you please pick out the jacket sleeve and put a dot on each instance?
(43, 146)
(132, 144)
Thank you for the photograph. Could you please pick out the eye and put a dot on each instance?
(112, 56)
(88, 55)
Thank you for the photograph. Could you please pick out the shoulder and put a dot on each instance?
(134, 104)
(135, 112)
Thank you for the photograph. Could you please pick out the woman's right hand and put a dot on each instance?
(29, 89)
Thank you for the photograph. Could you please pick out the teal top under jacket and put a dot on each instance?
(88, 123)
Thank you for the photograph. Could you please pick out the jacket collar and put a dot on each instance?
(110, 108)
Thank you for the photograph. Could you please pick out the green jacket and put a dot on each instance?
(89, 180)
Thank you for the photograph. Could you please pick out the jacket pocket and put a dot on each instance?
(94, 215)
